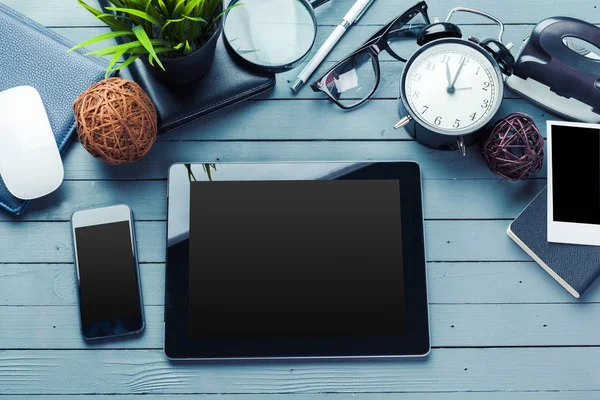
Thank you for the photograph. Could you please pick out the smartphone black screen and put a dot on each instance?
(109, 293)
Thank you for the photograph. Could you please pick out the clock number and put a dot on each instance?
(485, 104)
(425, 108)
(477, 73)
(456, 123)
(445, 59)
(438, 120)
(430, 66)
(416, 94)
(473, 116)
(486, 85)
(417, 77)
(464, 59)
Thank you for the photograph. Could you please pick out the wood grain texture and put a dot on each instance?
(537, 395)
(147, 371)
(434, 164)
(483, 290)
(453, 325)
(286, 121)
(43, 242)
(65, 13)
(449, 283)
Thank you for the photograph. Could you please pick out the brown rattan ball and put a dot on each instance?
(116, 121)
(514, 148)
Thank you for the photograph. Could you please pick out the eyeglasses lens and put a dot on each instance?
(353, 80)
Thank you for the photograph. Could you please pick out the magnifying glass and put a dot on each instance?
(270, 35)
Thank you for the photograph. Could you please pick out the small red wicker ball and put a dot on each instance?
(514, 148)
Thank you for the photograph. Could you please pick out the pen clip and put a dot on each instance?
(364, 10)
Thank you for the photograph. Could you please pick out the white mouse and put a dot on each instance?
(30, 163)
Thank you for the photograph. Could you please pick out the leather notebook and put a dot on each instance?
(33, 55)
(224, 84)
(575, 267)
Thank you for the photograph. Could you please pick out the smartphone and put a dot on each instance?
(108, 279)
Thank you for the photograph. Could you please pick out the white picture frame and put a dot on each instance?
(567, 232)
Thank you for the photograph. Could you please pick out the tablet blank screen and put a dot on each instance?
(295, 259)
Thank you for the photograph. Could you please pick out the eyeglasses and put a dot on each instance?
(353, 80)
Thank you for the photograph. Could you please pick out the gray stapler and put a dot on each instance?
(558, 68)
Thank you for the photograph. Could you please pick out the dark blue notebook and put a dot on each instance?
(35, 56)
(575, 267)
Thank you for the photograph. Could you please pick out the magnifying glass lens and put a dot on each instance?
(270, 33)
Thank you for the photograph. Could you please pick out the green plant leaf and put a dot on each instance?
(197, 19)
(106, 18)
(155, 13)
(178, 8)
(187, 49)
(113, 61)
(141, 14)
(169, 22)
(128, 46)
(190, 6)
(114, 49)
(225, 11)
(140, 33)
(164, 9)
(128, 62)
(99, 38)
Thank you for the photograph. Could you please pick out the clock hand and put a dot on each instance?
(451, 87)
(464, 88)
(448, 74)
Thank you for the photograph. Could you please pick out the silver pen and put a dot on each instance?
(357, 11)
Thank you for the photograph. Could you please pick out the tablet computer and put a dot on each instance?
(303, 260)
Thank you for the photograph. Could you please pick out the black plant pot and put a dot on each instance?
(187, 68)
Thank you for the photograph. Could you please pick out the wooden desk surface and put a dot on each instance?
(501, 328)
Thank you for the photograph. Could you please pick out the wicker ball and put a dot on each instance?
(116, 121)
(514, 148)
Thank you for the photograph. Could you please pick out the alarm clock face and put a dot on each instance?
(452, 86)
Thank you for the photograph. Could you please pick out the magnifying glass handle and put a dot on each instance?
(317, 3)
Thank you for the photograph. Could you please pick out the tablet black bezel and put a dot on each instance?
(415, 343)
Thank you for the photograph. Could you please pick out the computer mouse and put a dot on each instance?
(30, 163)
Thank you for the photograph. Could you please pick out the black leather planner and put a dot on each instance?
(224, 84)
(575, 267)
(33, 55)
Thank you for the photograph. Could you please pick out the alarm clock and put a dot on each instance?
(451, 88)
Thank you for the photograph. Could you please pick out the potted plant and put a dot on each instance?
(175, 38)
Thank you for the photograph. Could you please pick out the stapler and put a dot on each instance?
(558, 68)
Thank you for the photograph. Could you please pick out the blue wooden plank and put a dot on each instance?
(435, 164)
(449, 283)
(539, 395)
(67, 13)
(452, 325)
(446, 370)
(286, 121)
